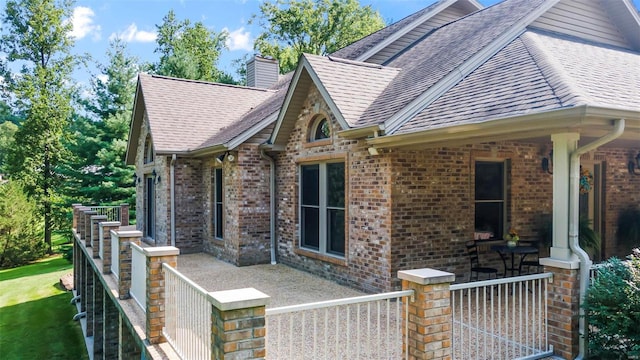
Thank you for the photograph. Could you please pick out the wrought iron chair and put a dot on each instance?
(533, 263)
(476, 268)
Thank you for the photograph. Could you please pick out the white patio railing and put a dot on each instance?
(364, 327)
(112, 212)
(115, 255)
(501, 318)
(138, 289)
(187, 316)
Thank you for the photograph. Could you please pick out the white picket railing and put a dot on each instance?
(364, 327)
(112, 212)
(501, 318)
(138, 289)
(115, 255)
(187, 316)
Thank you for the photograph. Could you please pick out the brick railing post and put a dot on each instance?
(124, 214)
(125, 238)
(105, 239)
(155, 296)
(563, 303)
(429, 322)
(98, 320)
(95, 231)
(127, 347)
(76, 213)
(80, 219)
(238, 324)
(86, 234)
(90, 293)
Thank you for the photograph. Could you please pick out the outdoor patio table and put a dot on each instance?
(504, 250)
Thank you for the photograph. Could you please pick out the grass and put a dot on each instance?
(35, 314)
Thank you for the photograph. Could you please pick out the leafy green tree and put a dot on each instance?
(96, 171)
(36, 38)
(20, 227)
(293, 27)
(7, 142)
(189, 51)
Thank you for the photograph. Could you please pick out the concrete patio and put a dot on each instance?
(285, 285)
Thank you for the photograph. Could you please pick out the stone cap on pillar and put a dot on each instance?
(126, 233)
(98, 217)
(109, 223)
(238, 299)
(160, 250)
(427, 276)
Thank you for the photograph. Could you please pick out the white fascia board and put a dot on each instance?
(400, 33)
(252, 131)
(287, 100)
(458, 74)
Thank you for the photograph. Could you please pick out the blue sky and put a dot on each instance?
(96, 21)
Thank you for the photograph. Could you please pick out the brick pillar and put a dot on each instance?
(156, 256)
(429, 321)
(86, 235)
(124, 214)
(563, 304)
(91, 279)
(128, 349)
(238, 324)
(98, 320)
(85, 269)
(95, 240)
(105, 239)
(80, 224)
(77, 265)
(125, 238)
(76, 213)
(111, 328)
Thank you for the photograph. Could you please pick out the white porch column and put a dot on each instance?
(563, 145)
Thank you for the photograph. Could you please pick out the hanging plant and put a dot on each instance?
(586, 181)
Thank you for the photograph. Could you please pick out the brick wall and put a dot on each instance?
(189, 204)
(406, 209)
(621, 192)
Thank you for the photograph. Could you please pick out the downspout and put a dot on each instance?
(574, 204)
(272, 203)
(173, 200)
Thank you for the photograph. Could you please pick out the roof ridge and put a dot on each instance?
(203, 82)
(551, 69)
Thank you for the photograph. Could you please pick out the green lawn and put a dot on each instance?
(35, 314)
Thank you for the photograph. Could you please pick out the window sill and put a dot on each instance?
(323, 142)
(321, 257)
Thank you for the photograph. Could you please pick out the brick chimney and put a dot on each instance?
(262, 72)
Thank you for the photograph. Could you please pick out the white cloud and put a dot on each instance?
(239, 40)
(132, 34)
(83, 25)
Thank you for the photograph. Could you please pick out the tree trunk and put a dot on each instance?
(47, 200)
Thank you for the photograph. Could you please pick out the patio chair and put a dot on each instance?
(476, 268)
(532, 263)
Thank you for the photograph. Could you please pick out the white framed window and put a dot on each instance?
(322, 208)
(320, 129)
(218, 203)
(490, 197)
(148, 150)
(150, 207)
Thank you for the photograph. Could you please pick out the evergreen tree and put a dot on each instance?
(36, 38)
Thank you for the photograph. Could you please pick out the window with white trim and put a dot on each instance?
(322, 208)
(490, 196)
(320, 129)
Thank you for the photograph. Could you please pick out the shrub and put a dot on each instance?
(612, 307)
(21, 227)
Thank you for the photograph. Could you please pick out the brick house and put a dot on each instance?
(395, 151)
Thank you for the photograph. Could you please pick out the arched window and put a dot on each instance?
(320, 129)
(148, 150)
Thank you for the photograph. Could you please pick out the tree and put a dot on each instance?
(7, 133)
(20, 227)
(37, 39)
(96, 171)
(189, 51)
(293, 27)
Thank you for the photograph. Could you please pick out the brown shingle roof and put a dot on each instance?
(184, 114)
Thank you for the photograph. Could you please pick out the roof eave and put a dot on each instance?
(512, 128)
(137, 116)
(361, 132)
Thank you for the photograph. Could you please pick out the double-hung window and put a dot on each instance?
(322, 212)
(218, 203)
(490, 197)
